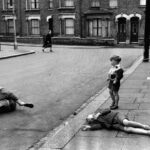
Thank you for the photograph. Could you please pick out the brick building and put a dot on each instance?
(74, 21)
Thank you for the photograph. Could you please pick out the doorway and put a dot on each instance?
(134, 29)
(50, 22)
(122, 30)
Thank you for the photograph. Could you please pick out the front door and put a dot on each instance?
(51, 24)
(134, 29)
(122, 29)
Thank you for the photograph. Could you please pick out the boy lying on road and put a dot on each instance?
(8, 101)
(114, 120)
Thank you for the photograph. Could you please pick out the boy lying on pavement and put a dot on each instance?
(114, 120)
(8, 101)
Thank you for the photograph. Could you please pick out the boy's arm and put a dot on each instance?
(105, 111)
(92, 127)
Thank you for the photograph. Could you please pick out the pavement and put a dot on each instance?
(58, 84)
(134, 102)
(10, 52)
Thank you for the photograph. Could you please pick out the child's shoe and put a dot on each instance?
(114, 107)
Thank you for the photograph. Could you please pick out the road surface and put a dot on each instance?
(57, 83)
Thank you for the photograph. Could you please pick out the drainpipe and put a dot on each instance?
(147, 32)
(80, 15)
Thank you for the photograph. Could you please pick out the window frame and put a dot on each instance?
(100, 27)
(63, 4)
(69, 27)
(94, 3)
(141, 3)
(10, 26)
(33, 28)
(9, 4)
(34, 4)
(113, 6)
(51, 4)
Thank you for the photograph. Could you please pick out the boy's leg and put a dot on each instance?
(112, 97)
(136, 130)
(21, 103)
(116, 95)
(116, 100)
(135, 124)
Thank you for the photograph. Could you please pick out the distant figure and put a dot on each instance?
(47, 41)
(8, 101)
(114, 120)
(114, 76)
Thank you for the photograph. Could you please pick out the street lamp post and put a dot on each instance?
(14, 24)
(147, 32)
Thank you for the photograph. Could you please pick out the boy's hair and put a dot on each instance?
(116, 58)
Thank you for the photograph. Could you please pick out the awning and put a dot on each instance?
(122, 16)
(69, 16)
(8, 17)
(48, 17)
(33, 17)
(135, 15)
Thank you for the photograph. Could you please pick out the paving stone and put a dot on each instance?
(141, 95)
(142, 113)
(137, 144)
(95, 143)
(129, 135)
(147, 95)
(128, 106)
(143, 119)
(142, 100)
(127, 99)
(144, 106)
(129, 90)
(98, 133)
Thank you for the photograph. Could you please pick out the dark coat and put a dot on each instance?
(105, 120)
(47, 41)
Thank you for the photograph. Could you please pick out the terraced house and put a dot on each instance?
(74, 21)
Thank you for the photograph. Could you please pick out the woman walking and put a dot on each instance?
(47, 41)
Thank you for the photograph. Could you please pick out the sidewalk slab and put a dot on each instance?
(95, 143)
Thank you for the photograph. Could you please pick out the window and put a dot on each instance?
(34, 4)
(9, 4)
(67, 3)
(69, 26)
(142, 2)
(95, 3)
(113, 3)
(10, 26)
(35, 27)
(50, 4)
(98, 28)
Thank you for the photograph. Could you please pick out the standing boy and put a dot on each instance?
(114, 76)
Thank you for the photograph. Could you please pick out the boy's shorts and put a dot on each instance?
(118, 121)
(113, 87)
